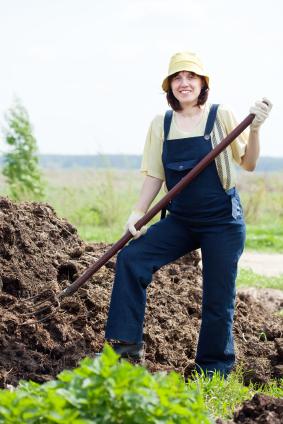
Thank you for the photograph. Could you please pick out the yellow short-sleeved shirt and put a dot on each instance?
(152, 160)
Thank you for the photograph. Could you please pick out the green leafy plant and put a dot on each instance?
(105, 390)
(21, 162)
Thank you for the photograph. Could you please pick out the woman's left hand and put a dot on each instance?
(261, 110)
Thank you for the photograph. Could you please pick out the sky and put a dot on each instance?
(89, 72)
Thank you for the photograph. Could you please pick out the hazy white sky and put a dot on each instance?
(89, 72)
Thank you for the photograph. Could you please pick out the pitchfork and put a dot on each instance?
(46, 303)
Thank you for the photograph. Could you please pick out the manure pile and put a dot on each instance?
(39, 251)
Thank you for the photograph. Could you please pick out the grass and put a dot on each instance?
(265, 237)
(97, 203)
(248, 278)
(222, 397)
(262, 199)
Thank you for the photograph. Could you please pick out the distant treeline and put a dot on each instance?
(265, 164)
(91, 161)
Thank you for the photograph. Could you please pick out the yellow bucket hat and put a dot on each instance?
(185, 61)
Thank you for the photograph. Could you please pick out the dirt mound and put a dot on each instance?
(260, 409)
(39, 251)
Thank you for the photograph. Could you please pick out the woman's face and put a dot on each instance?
(186, 87)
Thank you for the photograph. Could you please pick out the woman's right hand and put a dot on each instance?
(150, 188)
(132, 220)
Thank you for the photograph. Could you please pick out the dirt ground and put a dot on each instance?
(39, 251)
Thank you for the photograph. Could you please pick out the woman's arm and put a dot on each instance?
(149, 191)
(252, 151)
(261, 111)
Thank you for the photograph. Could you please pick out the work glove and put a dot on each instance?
(261, 111)
(132, 220)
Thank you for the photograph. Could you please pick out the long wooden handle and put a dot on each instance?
(72, 288)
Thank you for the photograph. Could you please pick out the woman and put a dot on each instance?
(207, 214)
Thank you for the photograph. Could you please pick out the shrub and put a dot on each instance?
(21, 163)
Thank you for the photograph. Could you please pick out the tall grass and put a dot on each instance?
(96, 202)
(262, 198)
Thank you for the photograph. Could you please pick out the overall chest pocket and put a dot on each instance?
(181, 166)
(175, 171)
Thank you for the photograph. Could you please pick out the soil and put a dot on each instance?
(260, 409)
(39, 251)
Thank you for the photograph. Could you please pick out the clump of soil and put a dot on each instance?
(260, 409)
(39, 251)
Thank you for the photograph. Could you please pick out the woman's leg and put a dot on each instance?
(164, 242)
(221, 248)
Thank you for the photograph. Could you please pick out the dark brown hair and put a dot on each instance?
(175, 104)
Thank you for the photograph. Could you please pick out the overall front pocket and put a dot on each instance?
(237, 211)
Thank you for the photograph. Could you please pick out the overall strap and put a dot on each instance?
(167, 123)
(166, 128)
(210, 120)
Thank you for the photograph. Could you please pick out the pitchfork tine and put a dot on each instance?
(48, 316)
(39, 304)
(53, 306)
(51, 303)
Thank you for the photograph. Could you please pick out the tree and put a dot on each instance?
(21, 167)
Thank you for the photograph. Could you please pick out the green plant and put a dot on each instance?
(21, 163)
(105, 390)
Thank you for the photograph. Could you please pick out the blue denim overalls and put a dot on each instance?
(203, 216)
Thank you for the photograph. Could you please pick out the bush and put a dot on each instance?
(105, 390)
